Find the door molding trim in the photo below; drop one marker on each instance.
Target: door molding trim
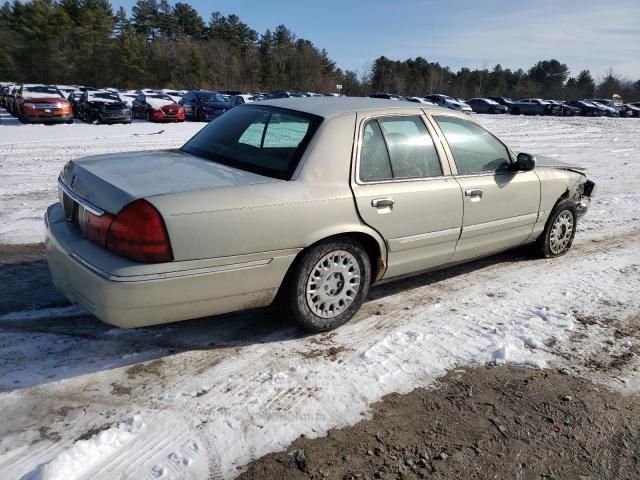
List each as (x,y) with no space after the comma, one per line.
(498,225)
(423,239)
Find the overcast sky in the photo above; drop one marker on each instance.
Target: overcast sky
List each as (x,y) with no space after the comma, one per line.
(584,34)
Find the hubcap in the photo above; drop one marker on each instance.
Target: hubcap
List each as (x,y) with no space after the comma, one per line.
(333,284)
(561,232)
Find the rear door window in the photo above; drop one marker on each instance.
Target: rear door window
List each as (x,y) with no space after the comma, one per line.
(412,152)
(398,148)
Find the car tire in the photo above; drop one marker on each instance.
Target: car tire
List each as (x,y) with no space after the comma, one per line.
(515,111)
(148,116)
(200,116)
(559,232)
(345,286)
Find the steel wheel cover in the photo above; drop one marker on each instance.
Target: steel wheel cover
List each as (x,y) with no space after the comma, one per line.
(561,232)
(333,284)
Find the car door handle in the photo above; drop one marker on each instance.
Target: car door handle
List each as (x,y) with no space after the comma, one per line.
(473,192)
(383,202)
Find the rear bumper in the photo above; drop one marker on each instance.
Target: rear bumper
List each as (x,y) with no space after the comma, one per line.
(174,291)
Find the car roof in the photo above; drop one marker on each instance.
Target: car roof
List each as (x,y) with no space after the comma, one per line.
(329,107)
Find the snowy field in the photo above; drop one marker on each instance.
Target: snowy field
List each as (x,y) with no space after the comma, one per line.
(202,398)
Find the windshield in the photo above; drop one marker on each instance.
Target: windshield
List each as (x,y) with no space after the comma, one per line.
(260,139)
(212,97)
(44,90)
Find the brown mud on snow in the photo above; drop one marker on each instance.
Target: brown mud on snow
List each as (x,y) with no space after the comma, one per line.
(489,422)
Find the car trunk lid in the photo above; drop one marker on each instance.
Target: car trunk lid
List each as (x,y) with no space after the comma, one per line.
(114,180)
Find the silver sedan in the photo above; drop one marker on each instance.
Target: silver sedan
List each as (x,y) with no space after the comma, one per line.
(303,202)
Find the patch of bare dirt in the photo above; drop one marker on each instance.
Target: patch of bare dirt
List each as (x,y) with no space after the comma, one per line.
(150,368)
(21,253)
(93,431)
(332,353)
(489,422)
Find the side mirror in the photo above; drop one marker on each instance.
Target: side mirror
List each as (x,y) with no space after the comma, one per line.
(525,162)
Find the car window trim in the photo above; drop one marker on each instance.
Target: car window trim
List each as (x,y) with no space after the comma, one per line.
(444,164)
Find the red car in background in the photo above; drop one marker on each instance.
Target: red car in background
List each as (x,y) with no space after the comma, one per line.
(157,107)
(42,103)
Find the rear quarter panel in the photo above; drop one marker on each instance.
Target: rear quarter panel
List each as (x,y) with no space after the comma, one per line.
(317,203)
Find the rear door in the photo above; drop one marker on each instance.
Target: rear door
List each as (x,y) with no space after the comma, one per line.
(500,204)
(404,189)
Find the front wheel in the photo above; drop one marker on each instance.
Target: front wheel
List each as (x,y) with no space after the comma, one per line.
(328,284)
(558,235)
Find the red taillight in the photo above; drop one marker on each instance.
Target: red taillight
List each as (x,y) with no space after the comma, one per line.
(138,232)
(96,228)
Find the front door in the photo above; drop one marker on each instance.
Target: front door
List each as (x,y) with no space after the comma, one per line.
(500,204)
(404,189)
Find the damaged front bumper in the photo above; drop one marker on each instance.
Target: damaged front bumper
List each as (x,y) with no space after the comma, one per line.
(589,190)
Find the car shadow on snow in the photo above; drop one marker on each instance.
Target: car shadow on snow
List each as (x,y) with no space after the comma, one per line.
(38,348)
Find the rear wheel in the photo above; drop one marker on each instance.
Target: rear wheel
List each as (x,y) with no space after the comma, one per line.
(200,115)
(148,116)
(328,284)
(558,235)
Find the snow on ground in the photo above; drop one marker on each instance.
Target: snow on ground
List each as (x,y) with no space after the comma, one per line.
(204,397)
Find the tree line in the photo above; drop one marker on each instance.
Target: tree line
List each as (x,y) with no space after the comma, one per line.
(158,45)
(170,45)
(546,79)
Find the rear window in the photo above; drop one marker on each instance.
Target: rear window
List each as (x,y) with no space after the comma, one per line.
(260,139)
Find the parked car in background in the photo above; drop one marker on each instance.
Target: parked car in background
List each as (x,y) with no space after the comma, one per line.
(387,96)
(67,90)
(74,100)
(587,109)
(42,104)
(175,95)
(610,107)
(534,106)
(158,236)
(418,100)
(87,89)
(242,99)
(128,96)
(205,105)
(104,107)
(5,93)
(448,102)
(11,100)
(634,108)
(562,109)
(276,94)
(486,105)
(157,107)
(506,101)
